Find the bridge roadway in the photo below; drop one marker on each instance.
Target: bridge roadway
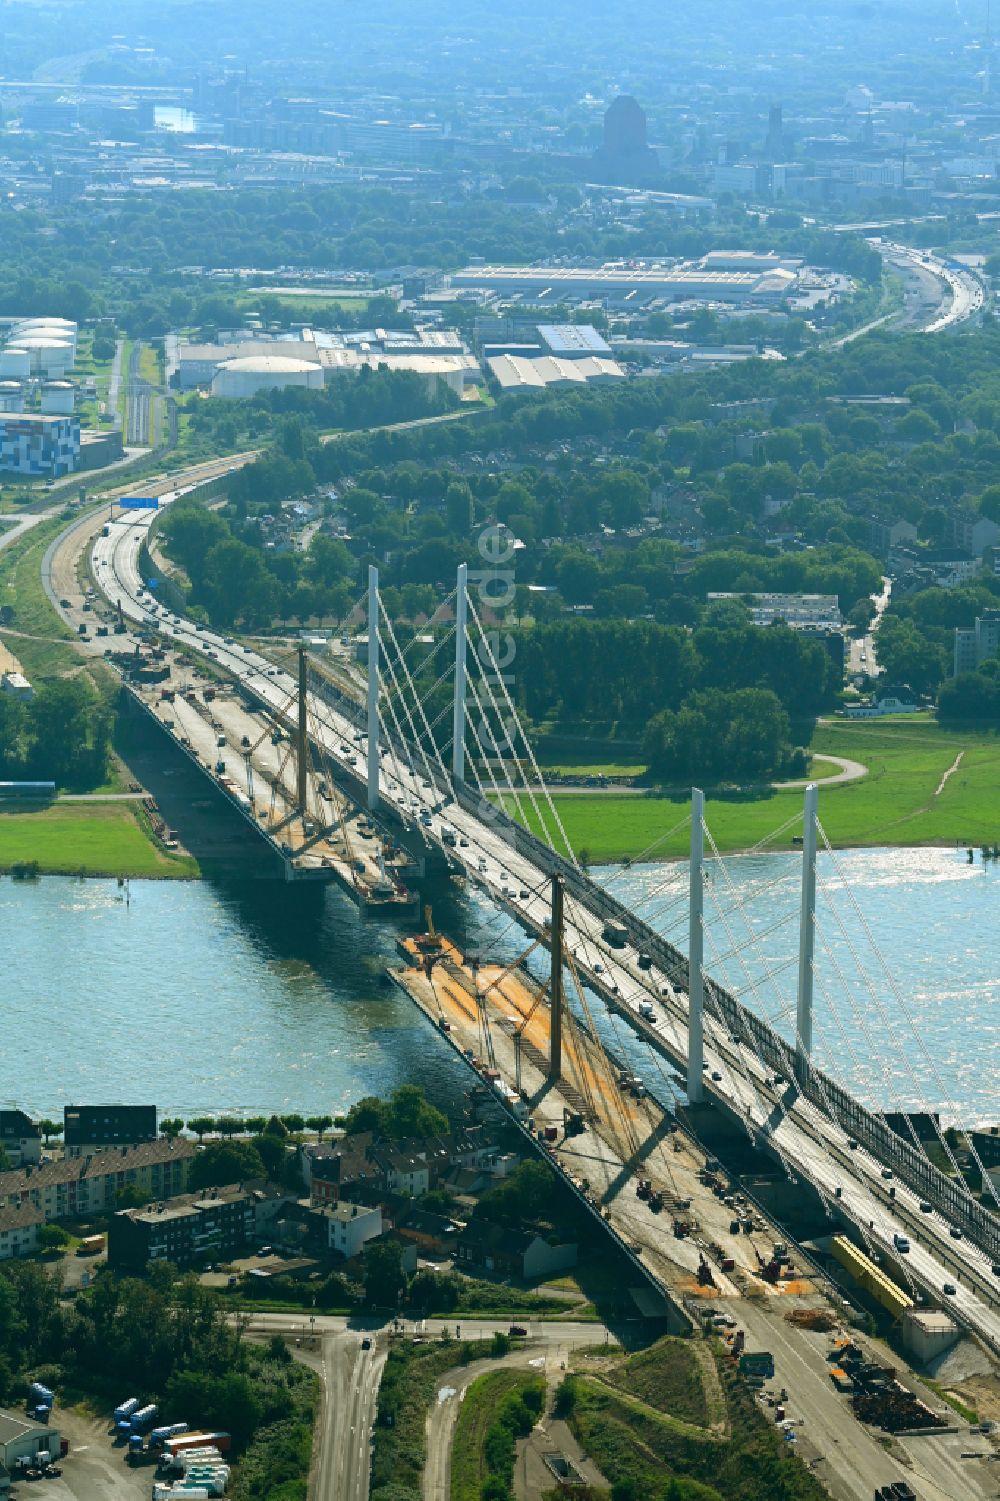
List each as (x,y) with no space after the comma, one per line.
(744,1059)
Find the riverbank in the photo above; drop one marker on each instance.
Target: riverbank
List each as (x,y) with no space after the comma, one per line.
(106,838)
(917,792)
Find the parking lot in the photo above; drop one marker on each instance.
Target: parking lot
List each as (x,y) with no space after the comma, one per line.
(93,1470)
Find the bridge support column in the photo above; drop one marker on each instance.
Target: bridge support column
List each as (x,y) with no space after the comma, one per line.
(696,953)
(373,761)
(302,748)
(807,936)
(556,979)
(458,726)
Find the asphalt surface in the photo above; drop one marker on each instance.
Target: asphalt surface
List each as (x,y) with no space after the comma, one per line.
(809,1143)
(351,1377)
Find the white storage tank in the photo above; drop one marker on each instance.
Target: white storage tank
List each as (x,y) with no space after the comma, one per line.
(49,357)
(11,396)
(58,398)
(65,336)
(252,373)
(15,363)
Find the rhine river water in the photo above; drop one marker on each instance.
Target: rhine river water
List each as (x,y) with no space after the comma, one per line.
(206,997)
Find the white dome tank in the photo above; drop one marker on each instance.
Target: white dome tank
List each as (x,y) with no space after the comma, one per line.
(49,357)
(245,377)
(15,363)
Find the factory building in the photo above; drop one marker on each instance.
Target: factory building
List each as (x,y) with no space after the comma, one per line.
(434,354)
(41,445)
(515,374)
(630,285)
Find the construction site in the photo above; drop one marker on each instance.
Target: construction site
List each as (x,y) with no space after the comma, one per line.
(636,1164)
(271,767)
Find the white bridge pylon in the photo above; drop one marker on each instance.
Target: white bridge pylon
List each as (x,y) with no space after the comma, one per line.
(696,930)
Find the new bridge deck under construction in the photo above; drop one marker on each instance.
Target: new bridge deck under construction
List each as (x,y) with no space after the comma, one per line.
(492,1014)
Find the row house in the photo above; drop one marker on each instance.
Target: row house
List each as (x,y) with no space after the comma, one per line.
(85,1186)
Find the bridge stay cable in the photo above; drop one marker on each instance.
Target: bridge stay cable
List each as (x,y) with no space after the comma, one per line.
(446,783)
(516,791)
(416,740)
(474,614)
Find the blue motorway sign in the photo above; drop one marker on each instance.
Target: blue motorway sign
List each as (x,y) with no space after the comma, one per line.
(139,503)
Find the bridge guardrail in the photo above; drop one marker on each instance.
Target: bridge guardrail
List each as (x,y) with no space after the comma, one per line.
(867,1127)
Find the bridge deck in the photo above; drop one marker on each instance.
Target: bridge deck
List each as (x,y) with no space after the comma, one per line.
(626,1139)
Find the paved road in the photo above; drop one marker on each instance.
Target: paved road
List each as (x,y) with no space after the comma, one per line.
(806,1138)
(850,771)
(351,1377)
(854,1462)
(444,1413)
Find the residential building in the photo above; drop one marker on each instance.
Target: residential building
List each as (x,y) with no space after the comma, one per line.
(972,533)
(80,1187)
(20,1137)
(973,645)
(33,444)
(803,612)
(19,1231)
(515,1253)
(885,535)
(349,1227)
(21,1441)
(94,1128)
(216,1223)
(433,1233)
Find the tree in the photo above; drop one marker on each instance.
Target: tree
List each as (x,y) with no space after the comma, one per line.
(171,1127)
(201,1125)
(52,1237)
(225,1162)
(132,1197)
(319,1124)
(385,1279)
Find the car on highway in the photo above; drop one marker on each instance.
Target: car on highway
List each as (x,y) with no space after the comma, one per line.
(517,1331)
(949,1290)
(366,1343)
(887,1173)
(926,1208)
(64,604)
(955,1233)
(717,1077)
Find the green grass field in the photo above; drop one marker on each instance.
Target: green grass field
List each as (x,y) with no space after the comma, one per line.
(94,839)
(21,589)
(897,803)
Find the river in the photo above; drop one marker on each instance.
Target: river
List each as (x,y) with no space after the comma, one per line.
(210,998)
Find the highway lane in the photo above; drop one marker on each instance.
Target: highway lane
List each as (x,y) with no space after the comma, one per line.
(810,1144)
(963,296)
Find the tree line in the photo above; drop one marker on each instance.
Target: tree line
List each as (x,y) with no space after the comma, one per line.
(62,734)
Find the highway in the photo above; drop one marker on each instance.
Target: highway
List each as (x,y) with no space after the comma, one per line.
(962,297)
(813,1146)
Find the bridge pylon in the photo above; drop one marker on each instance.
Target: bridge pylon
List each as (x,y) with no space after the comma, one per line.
(302,737)
(807,937)
(461,630)
(556,979)
(696,952)
(373,757)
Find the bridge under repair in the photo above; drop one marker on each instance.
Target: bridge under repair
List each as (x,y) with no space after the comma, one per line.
(871,1179)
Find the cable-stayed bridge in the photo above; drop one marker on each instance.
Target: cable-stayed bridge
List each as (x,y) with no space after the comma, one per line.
(430,744)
